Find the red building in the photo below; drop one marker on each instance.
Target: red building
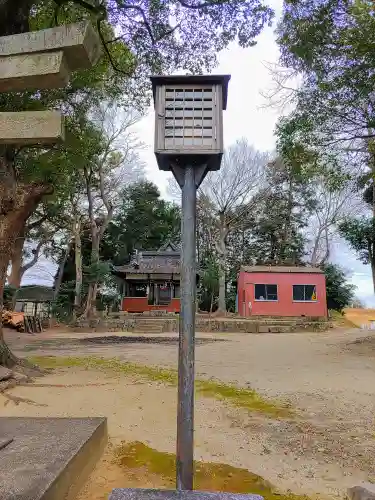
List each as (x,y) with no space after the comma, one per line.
(281,291)
(151,281)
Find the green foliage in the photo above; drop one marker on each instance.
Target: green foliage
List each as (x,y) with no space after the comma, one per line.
(331,44)
(62,166)
(360,234)
(144,221)
(340,293)
(166,36)
(275,235)
(96,272)
(208,285)
(62,308)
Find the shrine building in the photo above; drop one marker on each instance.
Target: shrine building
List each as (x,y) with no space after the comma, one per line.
(151,281)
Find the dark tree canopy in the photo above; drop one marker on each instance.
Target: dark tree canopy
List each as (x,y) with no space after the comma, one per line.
(144,221)
(330,44)
(340,293)
(159,35)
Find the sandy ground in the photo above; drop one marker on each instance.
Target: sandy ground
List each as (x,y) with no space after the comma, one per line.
(327,378)
(360,317)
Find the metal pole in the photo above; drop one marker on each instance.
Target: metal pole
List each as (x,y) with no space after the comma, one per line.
(185,410)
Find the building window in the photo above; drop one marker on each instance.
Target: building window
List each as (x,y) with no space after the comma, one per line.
(265,292)
(304,293)
(137,290)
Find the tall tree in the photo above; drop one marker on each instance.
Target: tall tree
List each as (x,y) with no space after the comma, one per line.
(360,234)
(332,205)
(143,221)
(112,165)
(229,197)
(331,43)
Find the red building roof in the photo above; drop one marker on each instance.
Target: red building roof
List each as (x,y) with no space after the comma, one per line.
(281,269)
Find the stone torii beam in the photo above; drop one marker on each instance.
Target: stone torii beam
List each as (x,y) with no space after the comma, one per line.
(42,60)
(31,127)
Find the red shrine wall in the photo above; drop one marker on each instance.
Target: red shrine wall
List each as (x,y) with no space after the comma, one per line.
(140,304)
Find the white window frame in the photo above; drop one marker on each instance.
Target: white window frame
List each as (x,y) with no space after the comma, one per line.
(304,301)
(267,300)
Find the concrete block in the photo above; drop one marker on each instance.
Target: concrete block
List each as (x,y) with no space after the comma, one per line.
(79,42)
(34,71)
(275,329)
(49,458)
(149,494)
(263,329)
(251,328)
(365,491)
(31,127)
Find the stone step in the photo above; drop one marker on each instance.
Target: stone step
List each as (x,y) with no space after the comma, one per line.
(60,455)
(148,325)
(165,325)
(146,329)
(146,332)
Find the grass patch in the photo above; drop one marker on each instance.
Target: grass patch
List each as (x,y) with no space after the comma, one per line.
(248,399)
(92,362)
(340,319)
(207,476)
(243,398)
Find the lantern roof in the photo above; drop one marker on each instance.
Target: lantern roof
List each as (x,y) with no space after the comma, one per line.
(158,80)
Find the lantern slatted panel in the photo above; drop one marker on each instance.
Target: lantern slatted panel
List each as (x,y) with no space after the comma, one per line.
(189,118)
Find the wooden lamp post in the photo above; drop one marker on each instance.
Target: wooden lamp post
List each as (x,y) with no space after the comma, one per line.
(188,142)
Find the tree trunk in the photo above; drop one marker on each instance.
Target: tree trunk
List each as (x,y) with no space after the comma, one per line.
(78,266)
(315,252)
(287,224)
(6,356)
(222,251)
(90,309)
(212,303)
(15,209)
(372,256)
(18,269)
(222,302)
(15,275)
(373,274)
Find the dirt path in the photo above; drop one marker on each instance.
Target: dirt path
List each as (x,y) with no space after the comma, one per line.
(328,447)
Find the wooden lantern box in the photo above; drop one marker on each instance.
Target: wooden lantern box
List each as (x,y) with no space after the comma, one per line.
(188,119)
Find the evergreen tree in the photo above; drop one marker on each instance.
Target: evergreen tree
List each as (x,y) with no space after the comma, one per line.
(275,235)
(340,293)
(143,222)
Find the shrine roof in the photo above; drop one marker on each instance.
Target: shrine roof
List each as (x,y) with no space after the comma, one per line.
(166,260)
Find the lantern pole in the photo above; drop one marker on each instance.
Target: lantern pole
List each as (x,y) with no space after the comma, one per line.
(185,410)
(188,142)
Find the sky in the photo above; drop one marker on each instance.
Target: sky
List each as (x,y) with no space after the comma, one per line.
(248,115)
